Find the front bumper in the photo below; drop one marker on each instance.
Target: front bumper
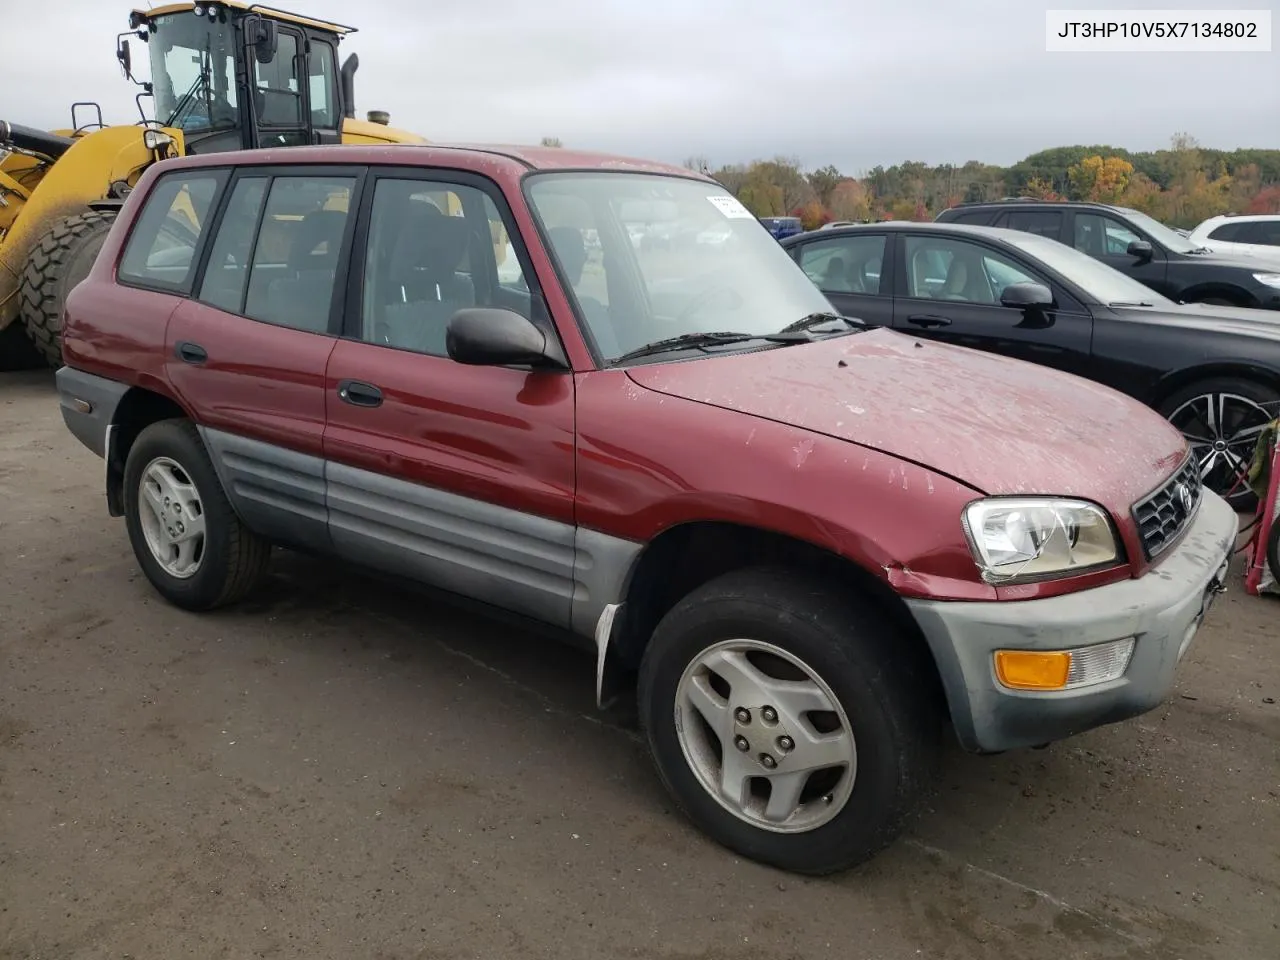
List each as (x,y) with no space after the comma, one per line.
(1162,609)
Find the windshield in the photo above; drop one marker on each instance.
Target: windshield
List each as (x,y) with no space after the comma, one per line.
(1105,284)
(1165,236)
(666,256)
(193,71)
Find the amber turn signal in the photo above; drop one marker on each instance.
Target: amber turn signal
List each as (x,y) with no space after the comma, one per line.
(1032,669)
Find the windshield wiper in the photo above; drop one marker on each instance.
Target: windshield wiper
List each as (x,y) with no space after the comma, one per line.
(684,340)
(814,319)
(1130,303)
(793,333)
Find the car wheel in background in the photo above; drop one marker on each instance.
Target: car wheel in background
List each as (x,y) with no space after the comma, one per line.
(1221,418)
(186,536)
(786,720)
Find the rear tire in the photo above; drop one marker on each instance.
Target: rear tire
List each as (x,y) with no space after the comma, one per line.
(228,562)
(60,259)
(855,660)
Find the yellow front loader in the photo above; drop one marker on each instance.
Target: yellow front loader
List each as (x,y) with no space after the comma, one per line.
(225,75)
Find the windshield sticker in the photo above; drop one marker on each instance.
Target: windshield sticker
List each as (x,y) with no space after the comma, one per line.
(730,207)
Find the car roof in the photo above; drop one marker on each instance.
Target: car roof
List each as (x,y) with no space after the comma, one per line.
(516,159)
(911,226)
(1033,202)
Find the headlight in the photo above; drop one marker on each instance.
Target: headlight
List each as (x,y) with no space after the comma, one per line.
(1270,279)
(1034,538)
(153,139)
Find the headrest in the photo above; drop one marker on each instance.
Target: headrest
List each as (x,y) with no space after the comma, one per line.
(568,243)
(430,239)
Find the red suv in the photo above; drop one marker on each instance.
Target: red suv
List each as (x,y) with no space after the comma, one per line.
(812,543)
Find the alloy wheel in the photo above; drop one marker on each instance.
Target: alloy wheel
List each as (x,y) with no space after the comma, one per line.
(172,517)
(1222,429)
(765,736)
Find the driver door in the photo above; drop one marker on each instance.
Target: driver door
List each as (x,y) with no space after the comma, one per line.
(279,100)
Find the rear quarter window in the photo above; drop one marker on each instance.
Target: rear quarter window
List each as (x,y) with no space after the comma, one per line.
(163,244)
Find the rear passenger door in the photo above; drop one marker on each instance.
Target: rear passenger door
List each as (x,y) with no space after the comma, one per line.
(851,272)
(247,353)
(459,476)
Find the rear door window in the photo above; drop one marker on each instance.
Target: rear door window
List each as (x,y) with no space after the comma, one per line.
(164,242)
(1265,232)
(1228,232)
(296,250)
(971,216)
(1044,223)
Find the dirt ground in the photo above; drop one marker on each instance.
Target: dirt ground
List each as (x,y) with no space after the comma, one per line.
(340,769)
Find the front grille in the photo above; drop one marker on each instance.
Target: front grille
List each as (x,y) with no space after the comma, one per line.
(1163,515)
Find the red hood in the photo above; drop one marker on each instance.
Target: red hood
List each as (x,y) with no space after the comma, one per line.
(999,425)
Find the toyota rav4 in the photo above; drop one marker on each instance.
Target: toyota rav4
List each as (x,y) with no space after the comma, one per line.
(811,544)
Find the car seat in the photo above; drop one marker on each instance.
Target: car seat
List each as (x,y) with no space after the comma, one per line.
(302,300)
(423,284)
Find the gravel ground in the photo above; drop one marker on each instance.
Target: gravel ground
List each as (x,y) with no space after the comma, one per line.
(342,769)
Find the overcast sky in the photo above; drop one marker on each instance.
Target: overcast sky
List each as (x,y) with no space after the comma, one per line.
(848,82)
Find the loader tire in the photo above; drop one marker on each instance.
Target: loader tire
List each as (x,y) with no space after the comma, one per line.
(60,260)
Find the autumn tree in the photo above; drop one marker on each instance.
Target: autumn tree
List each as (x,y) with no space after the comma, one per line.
(903,210)
(1099,180)
(850,201)
(761,195)
(812,215)
(1266,201)
(732,177)
(824,181)
(1040,189)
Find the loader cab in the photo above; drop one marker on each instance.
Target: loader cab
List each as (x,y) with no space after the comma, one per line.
(232,77)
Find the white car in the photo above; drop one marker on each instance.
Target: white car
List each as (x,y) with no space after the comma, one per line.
(1248,234)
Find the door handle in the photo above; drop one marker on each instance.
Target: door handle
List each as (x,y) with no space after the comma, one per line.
(189,352)
(359,394)
(929,320)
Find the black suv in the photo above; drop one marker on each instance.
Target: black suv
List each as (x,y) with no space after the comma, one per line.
(1138,245)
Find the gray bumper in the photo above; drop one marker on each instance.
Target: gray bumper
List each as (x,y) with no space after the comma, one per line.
(89,405)
(1162,610)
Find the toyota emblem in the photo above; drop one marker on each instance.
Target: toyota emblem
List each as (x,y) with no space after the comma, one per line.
(1185,498)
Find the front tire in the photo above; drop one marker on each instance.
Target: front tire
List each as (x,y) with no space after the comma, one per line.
(788,720)
(60,259)
(188,540)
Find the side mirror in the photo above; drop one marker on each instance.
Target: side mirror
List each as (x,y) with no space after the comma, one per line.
(125,58)
(491,336)
(1026,295)
(1140,249)
(261,35)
